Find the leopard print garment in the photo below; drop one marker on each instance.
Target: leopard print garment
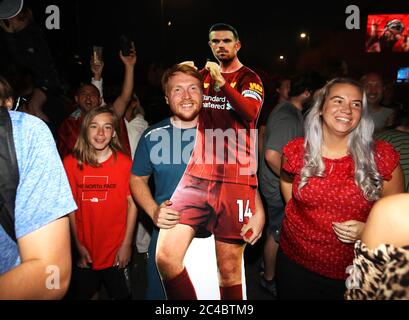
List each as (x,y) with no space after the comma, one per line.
(379,274)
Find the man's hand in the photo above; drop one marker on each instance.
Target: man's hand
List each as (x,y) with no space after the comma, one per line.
(253,230)
(374,27)
(164,217)
(97,68)
(129,61)
(215,73)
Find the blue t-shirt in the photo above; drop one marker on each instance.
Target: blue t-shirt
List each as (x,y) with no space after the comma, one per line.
(43,194)
(164,152)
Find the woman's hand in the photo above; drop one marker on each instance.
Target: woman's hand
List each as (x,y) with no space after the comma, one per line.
(348,231)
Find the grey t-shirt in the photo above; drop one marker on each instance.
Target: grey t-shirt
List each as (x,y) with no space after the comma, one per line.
(284,124)
(380,117)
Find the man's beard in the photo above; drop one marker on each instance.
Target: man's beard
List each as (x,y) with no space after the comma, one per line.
(225,59)
(189,117)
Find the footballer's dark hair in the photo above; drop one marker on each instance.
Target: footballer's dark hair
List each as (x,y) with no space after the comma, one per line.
(224,27)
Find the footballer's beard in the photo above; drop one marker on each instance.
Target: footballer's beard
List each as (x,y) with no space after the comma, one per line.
(225,59)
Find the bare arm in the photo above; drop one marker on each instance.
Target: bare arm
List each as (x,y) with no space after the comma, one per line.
(143,195)
(122,101)
(84,258)
(273,160)
(396,184)
(388,222)
(132,214)
(261,136)
(125,250)
(96,68)
(286,183)
(162,216)
(46,261)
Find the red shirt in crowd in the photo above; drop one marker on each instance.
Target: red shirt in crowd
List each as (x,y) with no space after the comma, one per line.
(307,235)
(101,196)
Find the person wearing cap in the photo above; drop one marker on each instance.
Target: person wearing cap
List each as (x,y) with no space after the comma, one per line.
(391,38)
(27,48)
(10,8)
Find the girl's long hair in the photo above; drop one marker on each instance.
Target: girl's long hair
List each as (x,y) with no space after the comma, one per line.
(360,144)
(83,151)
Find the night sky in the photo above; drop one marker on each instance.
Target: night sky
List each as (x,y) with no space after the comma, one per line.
(267,29)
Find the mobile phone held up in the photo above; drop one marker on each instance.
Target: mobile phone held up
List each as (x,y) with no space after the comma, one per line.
(126,45)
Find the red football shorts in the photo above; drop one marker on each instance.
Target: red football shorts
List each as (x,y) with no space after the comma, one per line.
(221,208)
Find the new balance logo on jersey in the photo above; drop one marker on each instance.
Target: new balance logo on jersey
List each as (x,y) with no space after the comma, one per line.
(256,87)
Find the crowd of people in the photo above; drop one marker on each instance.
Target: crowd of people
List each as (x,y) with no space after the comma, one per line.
(313,183)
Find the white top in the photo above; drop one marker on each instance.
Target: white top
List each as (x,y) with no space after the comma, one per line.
(135,129)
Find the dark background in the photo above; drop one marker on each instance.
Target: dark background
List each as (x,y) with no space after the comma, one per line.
(267,29)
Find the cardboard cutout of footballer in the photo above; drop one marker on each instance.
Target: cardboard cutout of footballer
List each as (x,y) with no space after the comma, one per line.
(217,193)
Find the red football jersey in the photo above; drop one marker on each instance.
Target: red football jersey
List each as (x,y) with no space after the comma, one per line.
(225,147)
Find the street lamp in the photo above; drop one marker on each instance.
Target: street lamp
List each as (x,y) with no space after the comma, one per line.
(306,36)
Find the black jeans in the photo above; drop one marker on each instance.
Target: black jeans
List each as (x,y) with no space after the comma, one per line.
(86,282)
(297,283)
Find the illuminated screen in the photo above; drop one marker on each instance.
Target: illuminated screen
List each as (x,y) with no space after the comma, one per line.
(387,33)
(403,75)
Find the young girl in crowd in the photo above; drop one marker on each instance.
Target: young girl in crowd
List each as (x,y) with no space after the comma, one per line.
(98,171)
